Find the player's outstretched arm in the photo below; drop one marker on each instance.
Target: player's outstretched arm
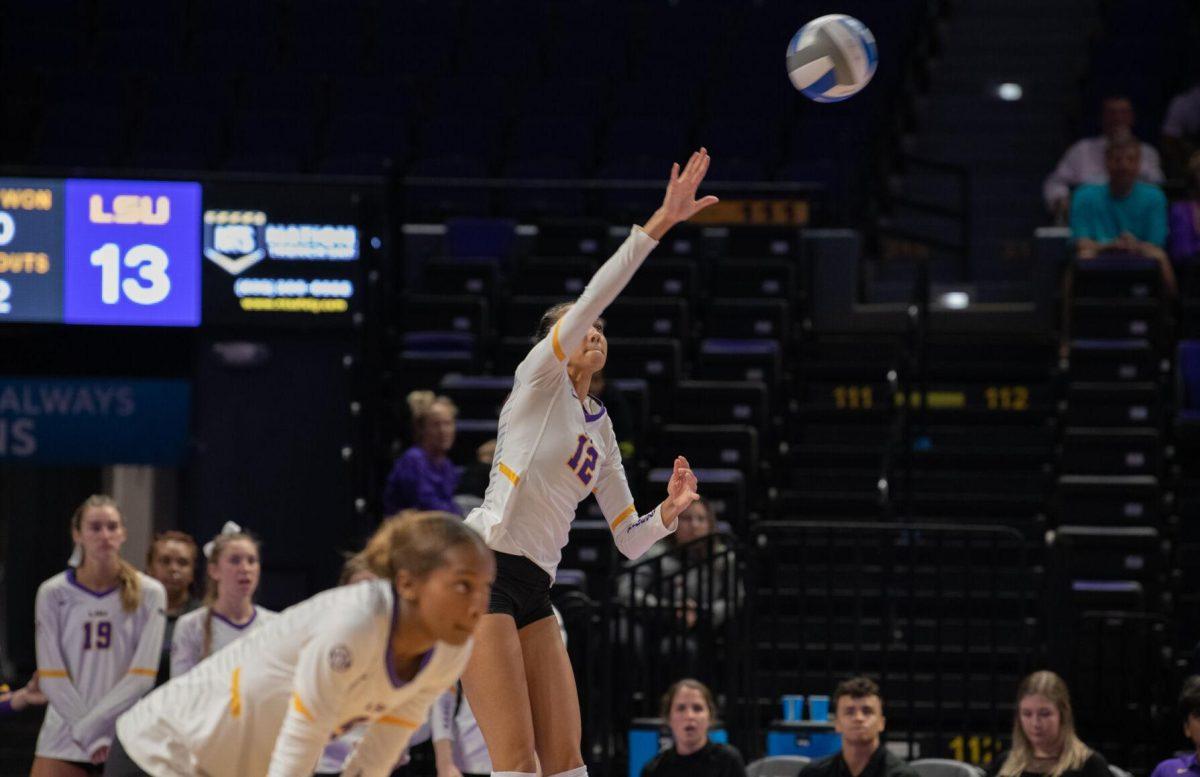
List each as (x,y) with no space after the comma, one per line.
(680,203)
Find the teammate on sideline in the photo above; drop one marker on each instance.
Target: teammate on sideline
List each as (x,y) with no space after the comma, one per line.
(229,612)
(555,445)
(171,560)
(377,652)
(99,634)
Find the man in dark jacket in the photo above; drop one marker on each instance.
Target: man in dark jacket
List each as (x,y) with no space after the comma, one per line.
(858,717)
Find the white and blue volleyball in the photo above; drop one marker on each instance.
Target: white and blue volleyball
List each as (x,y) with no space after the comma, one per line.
(831,58)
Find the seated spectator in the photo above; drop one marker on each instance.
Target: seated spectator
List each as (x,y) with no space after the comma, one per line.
(695,582)
(1124,215)
(689,710)
(1189,712)
(1185,219)
(1180,129)
(12,702)
(858,717)
(1084,160)
(424,478)
(1044,743)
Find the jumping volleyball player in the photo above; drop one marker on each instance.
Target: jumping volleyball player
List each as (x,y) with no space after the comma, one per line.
(555,445)
(377,652)
(99,635)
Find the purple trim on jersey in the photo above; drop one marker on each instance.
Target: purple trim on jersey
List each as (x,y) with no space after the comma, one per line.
(98,594)
(588,417)
(6,707)
(389,660)
(230,623)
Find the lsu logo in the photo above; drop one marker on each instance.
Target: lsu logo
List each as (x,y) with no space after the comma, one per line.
(130,209)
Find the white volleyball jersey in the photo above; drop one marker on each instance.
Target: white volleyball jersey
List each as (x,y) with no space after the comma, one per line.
(451,719)
(551,450)
(94,660)
(187,644)
(269,703)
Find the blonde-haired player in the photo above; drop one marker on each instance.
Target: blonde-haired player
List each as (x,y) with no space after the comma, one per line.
(555,445)
(99,633)
(377,652)
(229,613)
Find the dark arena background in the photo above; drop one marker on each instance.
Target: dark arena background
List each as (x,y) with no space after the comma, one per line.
(944,449)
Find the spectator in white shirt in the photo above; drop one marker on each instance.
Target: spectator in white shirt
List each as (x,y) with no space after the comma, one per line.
(1084,160)
(1180,130)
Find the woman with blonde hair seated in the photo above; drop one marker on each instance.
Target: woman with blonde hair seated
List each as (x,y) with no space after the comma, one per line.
(1044,740)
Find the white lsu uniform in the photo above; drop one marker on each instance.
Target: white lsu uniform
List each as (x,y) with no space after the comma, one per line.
(452,719)
(551,451)
(94,660)
(187,643)
(269,703)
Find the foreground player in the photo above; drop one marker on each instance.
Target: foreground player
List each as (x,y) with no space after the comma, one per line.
(377,652)
(556,445)
(99,635)
(229,612)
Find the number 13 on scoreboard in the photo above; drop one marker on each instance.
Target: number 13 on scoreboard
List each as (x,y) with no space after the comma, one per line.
(132,253)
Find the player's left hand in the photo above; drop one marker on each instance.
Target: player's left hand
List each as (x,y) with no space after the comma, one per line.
(681,491)
(679,201)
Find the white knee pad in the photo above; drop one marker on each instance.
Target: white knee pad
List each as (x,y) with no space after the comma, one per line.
(578,772)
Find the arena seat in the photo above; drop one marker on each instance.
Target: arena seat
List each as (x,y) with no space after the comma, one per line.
(1131,360)
(447,313)
(762,277)
(664,277)
(777,766)
(737,359)
(944,767)
(550,276)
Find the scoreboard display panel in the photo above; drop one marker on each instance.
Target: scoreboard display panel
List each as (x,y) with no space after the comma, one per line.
(178,253)
(132,253)
(31,250)
(280,256)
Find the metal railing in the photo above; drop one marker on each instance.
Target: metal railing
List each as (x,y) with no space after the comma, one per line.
(672,615)
(940,615)
(1118,668)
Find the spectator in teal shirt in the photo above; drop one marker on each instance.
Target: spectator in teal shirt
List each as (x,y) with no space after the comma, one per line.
(1124,215)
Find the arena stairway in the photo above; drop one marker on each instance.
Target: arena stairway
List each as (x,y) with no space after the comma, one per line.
(1007,147)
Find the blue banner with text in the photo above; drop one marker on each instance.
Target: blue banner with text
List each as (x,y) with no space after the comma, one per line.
(93,421)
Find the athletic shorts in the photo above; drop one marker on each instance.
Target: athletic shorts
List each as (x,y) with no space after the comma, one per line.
(522,590)
(87,766)
(119,763)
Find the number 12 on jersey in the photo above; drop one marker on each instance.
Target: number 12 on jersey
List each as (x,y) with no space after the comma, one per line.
(587,469)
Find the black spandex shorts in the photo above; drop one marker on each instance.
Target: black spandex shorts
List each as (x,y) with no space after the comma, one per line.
(119,763)
(522,590)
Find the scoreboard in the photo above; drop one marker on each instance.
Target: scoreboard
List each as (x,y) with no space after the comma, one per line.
(176,253)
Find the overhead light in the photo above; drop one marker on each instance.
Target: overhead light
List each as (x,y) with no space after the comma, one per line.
(955,300)
(1009,92)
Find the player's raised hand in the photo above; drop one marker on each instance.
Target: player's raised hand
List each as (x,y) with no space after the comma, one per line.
(680,203)
(681,491)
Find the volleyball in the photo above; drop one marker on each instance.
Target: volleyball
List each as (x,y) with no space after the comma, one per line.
(831,58)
